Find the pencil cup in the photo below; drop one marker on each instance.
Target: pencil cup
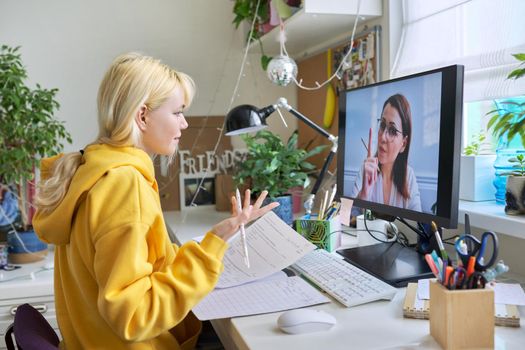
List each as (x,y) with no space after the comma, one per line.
(462,319)
(325,234)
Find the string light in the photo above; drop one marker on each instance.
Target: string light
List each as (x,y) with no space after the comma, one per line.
(342,65)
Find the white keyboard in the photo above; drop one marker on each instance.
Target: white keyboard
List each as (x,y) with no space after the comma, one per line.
(346,283)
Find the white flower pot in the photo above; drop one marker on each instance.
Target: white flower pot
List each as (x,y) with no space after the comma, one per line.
(476,177)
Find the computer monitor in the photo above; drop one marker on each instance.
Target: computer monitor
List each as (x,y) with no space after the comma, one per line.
(399,153)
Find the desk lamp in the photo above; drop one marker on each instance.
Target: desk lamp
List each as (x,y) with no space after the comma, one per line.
(247,118)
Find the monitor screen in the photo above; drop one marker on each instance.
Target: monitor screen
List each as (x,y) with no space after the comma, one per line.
(399,146)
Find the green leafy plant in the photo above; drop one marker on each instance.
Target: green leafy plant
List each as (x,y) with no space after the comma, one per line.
(519,166)
(246,10)
(472,149)
(511,120)
(518,72)
(274,166)
(28,130)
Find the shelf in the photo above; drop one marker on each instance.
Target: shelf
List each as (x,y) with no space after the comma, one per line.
(491,216)
(309,32)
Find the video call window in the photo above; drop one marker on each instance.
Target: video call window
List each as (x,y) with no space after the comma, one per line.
(392,143)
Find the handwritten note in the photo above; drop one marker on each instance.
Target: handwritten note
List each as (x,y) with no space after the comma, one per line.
(272,245)
(258,297)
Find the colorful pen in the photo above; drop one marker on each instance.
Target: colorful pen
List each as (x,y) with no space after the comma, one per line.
(440,268)
(470,266)
(243,232)
(444,271)
(448,271)
(442,250)
(432,265)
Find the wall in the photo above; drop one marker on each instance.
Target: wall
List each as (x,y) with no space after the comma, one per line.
(70,44)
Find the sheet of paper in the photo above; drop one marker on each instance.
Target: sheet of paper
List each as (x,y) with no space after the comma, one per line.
(258,298)
(423,289)
(345,210)
(419,304)
(272,246)
(509,293)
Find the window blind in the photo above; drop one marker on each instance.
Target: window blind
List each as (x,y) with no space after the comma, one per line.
(479,34)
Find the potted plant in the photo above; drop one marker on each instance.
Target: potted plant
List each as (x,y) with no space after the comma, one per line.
(515,191)
(28,132)
(275,167)
(476,175)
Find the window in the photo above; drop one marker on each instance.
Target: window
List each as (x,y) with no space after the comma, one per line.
(479,34)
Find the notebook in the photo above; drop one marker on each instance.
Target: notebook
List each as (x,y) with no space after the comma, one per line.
(413,307)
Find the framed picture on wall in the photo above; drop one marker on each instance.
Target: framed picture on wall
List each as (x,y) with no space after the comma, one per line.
(189,183)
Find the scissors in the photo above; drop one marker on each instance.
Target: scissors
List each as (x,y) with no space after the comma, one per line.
(459,279)
(477,248)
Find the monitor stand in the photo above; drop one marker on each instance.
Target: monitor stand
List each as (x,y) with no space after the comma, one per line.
(391,262)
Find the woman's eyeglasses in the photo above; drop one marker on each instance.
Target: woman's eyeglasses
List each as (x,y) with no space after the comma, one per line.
(391,131)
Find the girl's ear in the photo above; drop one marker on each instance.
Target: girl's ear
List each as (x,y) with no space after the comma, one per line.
(140,117)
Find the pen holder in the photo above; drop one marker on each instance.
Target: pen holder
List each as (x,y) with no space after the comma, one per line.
(462,319)
(325,234)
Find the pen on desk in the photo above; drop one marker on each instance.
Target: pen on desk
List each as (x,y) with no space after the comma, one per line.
(243,232)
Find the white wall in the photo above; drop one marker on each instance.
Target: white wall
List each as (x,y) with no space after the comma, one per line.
(68,44)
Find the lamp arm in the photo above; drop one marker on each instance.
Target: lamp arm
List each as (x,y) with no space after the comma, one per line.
(282,102)
(308,204)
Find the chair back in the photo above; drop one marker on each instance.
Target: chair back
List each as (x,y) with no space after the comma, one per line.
(31,331)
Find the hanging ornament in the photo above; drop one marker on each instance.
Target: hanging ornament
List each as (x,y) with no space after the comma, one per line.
(282,70)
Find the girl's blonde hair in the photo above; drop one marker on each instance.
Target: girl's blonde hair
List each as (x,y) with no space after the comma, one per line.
(132,81)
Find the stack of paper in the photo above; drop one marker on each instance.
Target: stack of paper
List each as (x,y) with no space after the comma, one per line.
(242,291)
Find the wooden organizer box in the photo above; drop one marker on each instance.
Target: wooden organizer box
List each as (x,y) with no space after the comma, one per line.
(462,319)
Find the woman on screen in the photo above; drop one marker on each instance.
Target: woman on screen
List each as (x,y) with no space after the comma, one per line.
(386,177)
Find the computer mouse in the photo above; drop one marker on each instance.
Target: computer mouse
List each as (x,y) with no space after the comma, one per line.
(299,321)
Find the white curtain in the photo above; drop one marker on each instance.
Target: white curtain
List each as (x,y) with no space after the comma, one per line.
(479,34)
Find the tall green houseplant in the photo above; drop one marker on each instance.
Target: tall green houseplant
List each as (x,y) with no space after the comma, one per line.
(28,129)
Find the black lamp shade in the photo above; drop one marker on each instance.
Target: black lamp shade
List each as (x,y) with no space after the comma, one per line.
(243,119)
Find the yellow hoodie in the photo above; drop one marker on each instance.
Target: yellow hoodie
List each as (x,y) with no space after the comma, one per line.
(119,282)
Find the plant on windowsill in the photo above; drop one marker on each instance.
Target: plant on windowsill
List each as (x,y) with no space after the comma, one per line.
(476,174)
(275,167)
(28,132)
(515,191)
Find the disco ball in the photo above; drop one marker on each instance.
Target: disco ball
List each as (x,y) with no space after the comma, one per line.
(282,70)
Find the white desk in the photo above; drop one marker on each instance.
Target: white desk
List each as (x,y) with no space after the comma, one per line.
(377,325)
